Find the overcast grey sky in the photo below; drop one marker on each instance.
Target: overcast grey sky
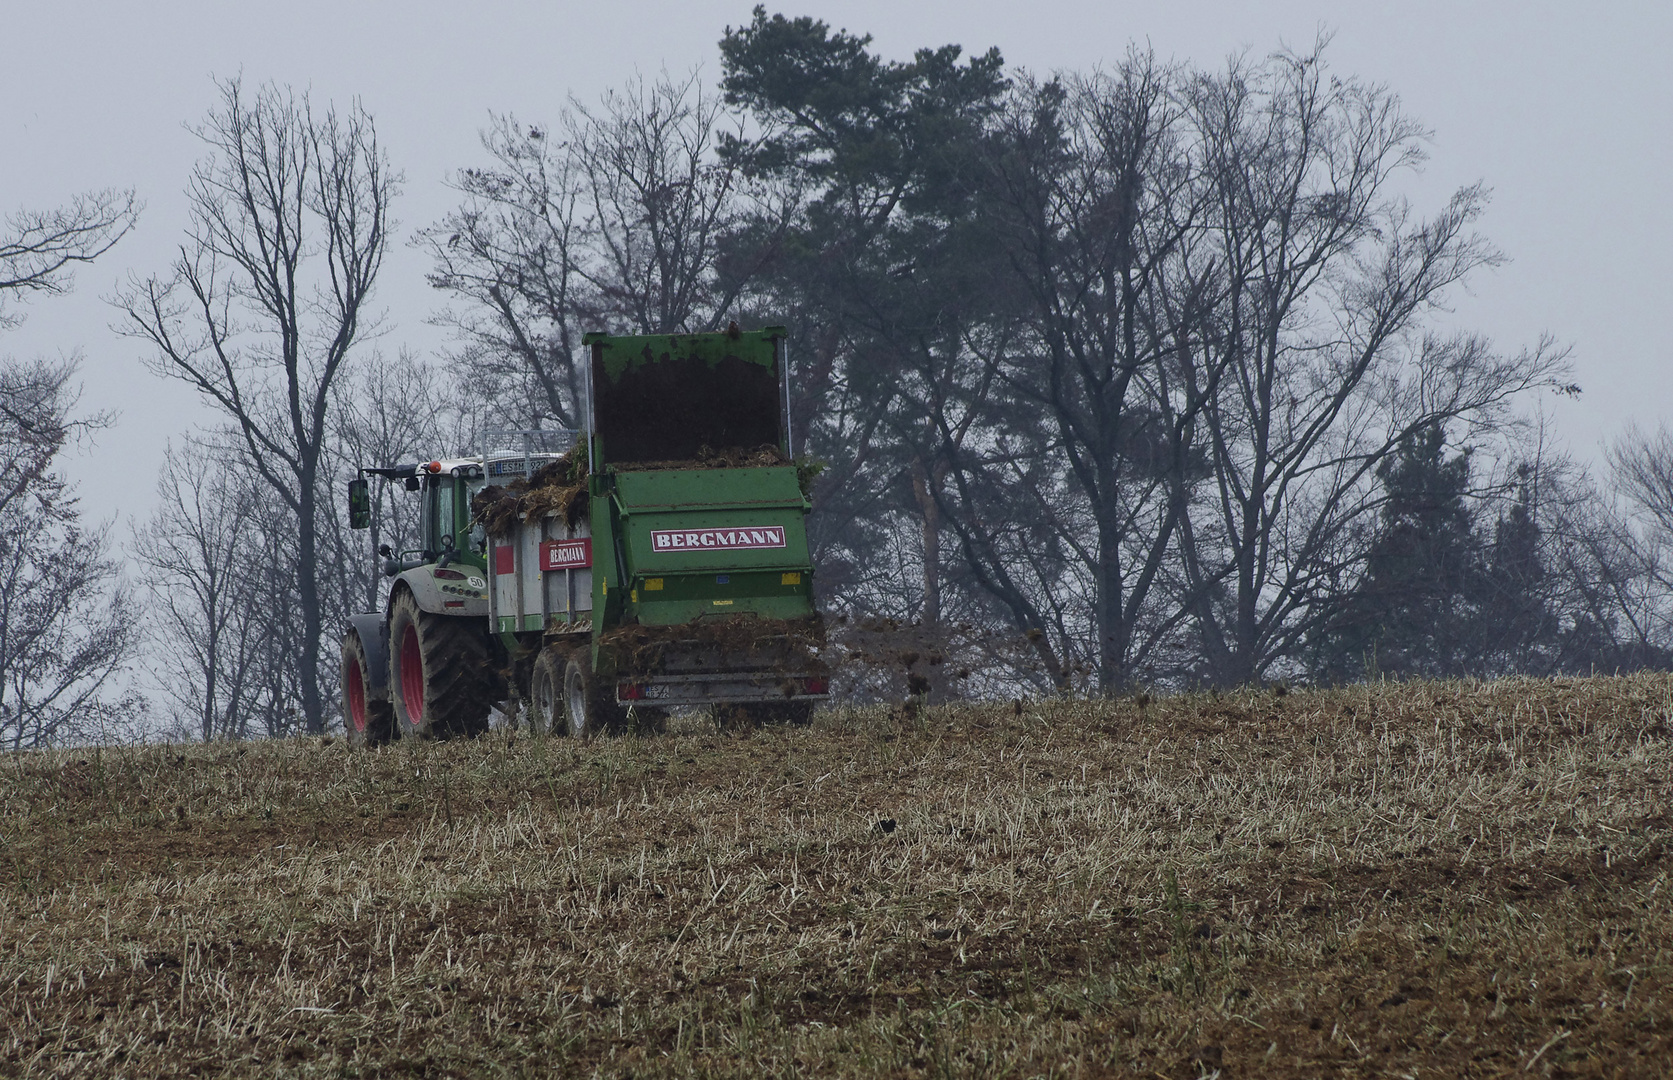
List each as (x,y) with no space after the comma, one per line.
(1561,108)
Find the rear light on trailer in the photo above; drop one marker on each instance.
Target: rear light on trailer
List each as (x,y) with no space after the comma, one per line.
(816,686)
(630,692)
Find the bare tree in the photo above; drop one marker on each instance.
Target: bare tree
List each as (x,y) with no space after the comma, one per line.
(391,411)
(509,254)
(1642,463)
(66,621)
(1629,544)
(40,248)
(267,570)
(268,299)
(203,558)
(37,255)
(614,219)
(36,422)
(659,201)
(1093,193)
(1328,278)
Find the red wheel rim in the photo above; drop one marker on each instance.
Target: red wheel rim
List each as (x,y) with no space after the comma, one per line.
(412,676)
(357,698)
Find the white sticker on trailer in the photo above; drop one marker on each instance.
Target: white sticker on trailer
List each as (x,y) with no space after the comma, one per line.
(566,554)
(753,536)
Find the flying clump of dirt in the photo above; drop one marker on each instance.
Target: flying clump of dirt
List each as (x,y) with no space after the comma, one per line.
(880,659)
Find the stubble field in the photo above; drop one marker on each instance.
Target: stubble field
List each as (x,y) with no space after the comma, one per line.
(1420,879)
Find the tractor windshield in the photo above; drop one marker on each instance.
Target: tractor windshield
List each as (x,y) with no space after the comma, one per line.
(446,512)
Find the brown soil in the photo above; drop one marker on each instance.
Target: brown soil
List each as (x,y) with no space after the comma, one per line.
(1402,880)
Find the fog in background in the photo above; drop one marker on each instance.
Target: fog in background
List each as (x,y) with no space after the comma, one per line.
(1560,108)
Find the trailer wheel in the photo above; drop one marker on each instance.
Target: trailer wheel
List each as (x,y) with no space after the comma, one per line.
(588,711)
(440,675)
(546,695)
(365,722)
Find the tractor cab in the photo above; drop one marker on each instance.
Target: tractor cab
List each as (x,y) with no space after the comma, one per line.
(445,511)
(444,524)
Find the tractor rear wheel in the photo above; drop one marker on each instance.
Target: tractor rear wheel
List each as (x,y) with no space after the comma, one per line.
(365,722)
(440,675)
(590,709)
(546,694)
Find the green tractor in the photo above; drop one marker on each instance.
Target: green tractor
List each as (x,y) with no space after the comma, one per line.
(659,561)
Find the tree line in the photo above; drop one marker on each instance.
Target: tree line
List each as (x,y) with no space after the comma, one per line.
(1122,378)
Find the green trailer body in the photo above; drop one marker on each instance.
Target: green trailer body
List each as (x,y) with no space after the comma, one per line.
(699,543)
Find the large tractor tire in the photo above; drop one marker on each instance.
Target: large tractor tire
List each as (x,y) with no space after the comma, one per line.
(440,675)
(365,722)
(546,694)
(590,709)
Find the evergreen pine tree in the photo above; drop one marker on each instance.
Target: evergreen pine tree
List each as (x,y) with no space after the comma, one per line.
(1516,621)
(1413,612)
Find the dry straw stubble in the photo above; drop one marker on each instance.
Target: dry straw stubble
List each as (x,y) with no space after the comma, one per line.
(1463,878)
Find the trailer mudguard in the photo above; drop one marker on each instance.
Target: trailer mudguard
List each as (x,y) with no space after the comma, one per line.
(374,638)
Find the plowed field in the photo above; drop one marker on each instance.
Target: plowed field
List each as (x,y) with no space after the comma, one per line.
(1423,879)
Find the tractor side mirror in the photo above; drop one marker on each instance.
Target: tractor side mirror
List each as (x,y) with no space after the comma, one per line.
(360,503)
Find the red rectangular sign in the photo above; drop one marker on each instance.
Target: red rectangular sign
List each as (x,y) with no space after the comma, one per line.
(566,554)
(753,536)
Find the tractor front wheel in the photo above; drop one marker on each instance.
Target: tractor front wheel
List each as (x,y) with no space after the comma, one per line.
(365,722)
(440,675)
